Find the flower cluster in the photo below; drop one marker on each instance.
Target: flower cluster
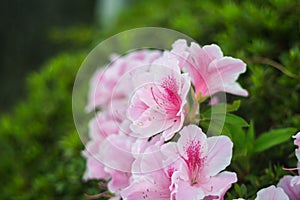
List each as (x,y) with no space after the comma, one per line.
(142,141)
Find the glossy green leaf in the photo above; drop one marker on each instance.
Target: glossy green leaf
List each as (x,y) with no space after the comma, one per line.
(272,138)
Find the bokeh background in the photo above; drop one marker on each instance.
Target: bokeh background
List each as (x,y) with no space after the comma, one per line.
(44,43)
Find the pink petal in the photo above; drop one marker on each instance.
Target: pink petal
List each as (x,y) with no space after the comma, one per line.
(165,65)
(154,186)
(115,152)
(297,139)
(271,193)
(189,134)
(137,108)
(155,157)
(219,184)
(229,67)
(295,182)
(297,142)
(177,124)
(236,89)
(119,180)
(179,51)
(293,191)
(201,58)
(219,155)
(94,168)
(209,70)
(213,51)
(223,74)
(186,191)
(150,122)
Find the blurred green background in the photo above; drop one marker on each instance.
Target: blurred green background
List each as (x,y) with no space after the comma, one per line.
(44,43)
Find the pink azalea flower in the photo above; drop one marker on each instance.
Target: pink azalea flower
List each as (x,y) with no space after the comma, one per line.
(211,72)
(193,174)
(118,152)
(290,188)
(153,186)
(150,178)
(158,102)
(94,168)
(99,128)
(271,193)
(291,184)
(103,84)
(203,159)
(115,153)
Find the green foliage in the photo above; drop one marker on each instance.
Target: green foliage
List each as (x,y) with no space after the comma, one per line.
(40,149)
(272,138)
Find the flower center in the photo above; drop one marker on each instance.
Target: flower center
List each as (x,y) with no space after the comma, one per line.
(171,88)
(166,95)
(194,160)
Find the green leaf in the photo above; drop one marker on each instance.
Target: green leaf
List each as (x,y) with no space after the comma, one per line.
(215,128)
(221,123)
(235,120)
(272,138)
(223,108)
(238,189)
(251,132)
(234,106)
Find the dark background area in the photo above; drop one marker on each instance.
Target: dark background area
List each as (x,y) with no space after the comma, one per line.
(26,38)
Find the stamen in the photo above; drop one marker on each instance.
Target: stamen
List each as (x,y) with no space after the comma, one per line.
(194,160)
(291,169)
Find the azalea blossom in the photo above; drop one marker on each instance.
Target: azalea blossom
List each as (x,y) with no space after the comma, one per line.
(152,173)
(108,141)
(154,186)
(291,184)
(158,103)
(195,172)
(211,72)
(103,88)
(117,146)
(150,180)
(271,193)
(99,128)
(203,159)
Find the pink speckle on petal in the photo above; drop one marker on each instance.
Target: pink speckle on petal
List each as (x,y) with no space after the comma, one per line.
(194,160)
(171,88)
(170,171)
(163,98)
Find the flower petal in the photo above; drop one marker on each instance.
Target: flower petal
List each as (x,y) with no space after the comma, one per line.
(154,186)
(219,184)
(271,193)
(219,155)
(186,191)
(293,191)
(189,134)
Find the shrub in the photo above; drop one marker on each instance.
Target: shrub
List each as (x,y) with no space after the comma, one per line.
(40,149)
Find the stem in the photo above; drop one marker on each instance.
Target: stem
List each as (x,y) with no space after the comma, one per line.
(274,64)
